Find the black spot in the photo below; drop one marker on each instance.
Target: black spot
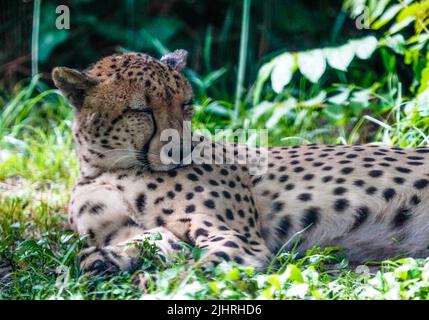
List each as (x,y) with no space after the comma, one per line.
(402,215)
(308,176)
(200,232)
(213,182)
(421,184)
(375,173)
(415,158)
(339,191)
(327,178)
(415,200)
(189,196)
(344,161)
(238,260)
(222,255)
(277,206)
(283,227)
(347,170)
(209,204)
(298,169)
(167,211)
(199,171)
(207,223)
(390,159)
(305,197)
(340,180)
(141,202)
(214,194)
(311,217)
(224,172)
(351,156)
(229,214)
(283,178)
(178,187)
(371,190)
(171,194)
(403,170)
(230,244)
(96,208)
(360,217)
(160,222)
(190,208)
(192,177)
(399,180)
(152,186)
(172,173)
(289,186)
(240,213)
(207,167)
(341,205)
(219,217)
(359,183)
(415,163)
(422,150)
(251,222)
(198,189)
(226,194)
(389,193)
(367,159)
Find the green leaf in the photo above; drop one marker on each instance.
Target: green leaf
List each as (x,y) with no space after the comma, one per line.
(341,57)
(341,97)
(274,280)
(233,275)
(283,70)
(396,27)
(387,16)
(263,75)
(424,82)
(312,64)
(293,273)
(364,47)
(396,43)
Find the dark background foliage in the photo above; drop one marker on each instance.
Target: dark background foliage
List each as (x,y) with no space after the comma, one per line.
(209,30)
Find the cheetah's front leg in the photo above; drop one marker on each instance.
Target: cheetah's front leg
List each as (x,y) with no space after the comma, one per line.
(113,235)
(223,243)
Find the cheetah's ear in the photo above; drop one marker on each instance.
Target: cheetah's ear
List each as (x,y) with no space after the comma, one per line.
(176,59)
(73,84)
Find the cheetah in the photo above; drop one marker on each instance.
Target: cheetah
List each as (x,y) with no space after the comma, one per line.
(371,200)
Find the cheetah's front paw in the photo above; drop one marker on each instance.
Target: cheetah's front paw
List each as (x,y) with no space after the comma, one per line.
(106,260)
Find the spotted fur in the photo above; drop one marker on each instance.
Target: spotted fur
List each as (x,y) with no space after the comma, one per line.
(372,200)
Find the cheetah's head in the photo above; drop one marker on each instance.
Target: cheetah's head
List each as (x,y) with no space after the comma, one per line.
(123,102)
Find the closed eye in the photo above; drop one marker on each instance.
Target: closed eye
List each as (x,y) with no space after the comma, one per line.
(140,109)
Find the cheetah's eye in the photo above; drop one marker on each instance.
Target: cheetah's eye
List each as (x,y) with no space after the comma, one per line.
(139,108)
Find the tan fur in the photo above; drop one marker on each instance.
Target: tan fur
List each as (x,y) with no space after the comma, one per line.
(372,200)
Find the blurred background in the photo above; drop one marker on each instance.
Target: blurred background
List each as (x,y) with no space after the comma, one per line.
(209,30)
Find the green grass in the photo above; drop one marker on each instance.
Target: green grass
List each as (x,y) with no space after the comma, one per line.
(38,251)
